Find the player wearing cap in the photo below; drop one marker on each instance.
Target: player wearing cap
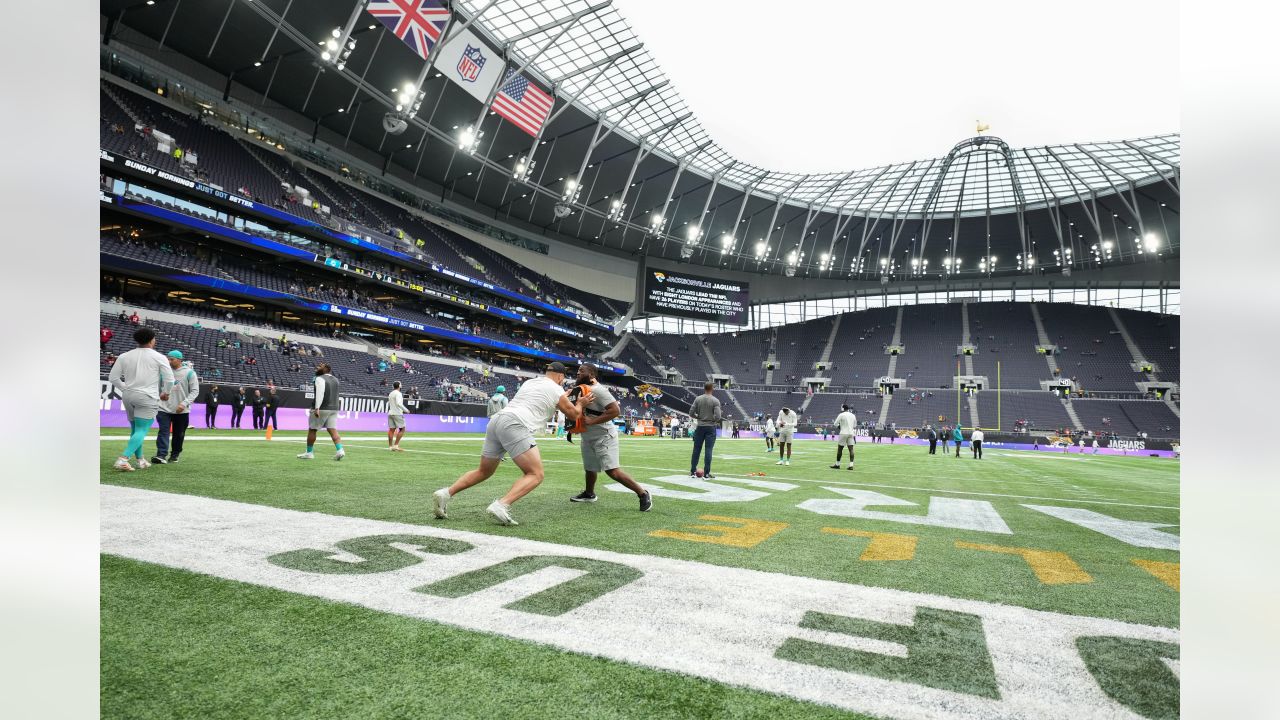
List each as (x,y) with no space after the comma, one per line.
(174,413)
(510,432)
(395,417)
(497,402)
(600,438)
(143,378)
(846,424)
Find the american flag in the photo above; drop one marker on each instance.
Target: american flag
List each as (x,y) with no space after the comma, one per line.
(523,103)
(418,23)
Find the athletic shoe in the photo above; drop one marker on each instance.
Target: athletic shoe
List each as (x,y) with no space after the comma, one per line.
(583,496)
(441,498)
(143,464)
(157,460)
(781,462)
(836,466)
(173,460)
(709,476)
(306,456)
(850,467)
(340,454)
(122,464)
(501,513)
(646,501)
(693,474)
(788,461)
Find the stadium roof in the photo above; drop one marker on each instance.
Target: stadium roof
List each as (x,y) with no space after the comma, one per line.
(621,131)
(633,92)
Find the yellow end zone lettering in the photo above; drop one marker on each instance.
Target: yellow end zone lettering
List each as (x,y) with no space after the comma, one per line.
(748,534)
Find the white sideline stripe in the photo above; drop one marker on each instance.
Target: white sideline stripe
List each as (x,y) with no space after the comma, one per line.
(719,623)
(355,442)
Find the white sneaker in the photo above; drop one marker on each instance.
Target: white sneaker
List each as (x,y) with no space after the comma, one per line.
(781,462)
(143,464)
(306,456)
(340,454)
(501,513)
(441,498)
(788,461)
(123,465)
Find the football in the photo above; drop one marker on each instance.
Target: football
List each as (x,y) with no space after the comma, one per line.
(698,473)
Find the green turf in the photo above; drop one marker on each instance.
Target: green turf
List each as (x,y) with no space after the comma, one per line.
(374,483)
(177,644)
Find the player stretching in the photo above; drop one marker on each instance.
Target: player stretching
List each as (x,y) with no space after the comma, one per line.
(324,414)
(769,430)
(511,431)
(143,378)
(846,425)
(600,439)
(786,428)
(395,417)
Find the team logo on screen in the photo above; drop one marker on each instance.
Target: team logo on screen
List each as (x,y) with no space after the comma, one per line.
(660,277)
(471,64)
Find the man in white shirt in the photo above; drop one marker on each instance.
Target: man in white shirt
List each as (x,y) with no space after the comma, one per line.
(975,441)
(675,427)
(786,425)
(143,378)
(846,426)
(769,431)
(395,417)
(510,432)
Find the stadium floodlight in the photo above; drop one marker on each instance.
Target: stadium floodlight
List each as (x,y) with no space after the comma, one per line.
(692,235)
(338,47)
(761,249)
(656,224)
(523,169)
(616,209)
(1106,245)
(469,139)
(571,191)
(726,243)
(1152,242)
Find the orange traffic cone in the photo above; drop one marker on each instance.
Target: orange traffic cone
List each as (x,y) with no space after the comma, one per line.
(268,432)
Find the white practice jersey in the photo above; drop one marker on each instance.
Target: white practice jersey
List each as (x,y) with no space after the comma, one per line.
(395,403)
(787,421)
(534,403)
(846,422)
(142,370)
(768,426)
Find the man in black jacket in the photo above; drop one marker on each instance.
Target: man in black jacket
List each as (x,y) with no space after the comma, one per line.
(273,404)
(259,403)
(211,401)
(237,407)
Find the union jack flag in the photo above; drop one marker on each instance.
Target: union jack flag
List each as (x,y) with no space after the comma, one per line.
(419,23)
(523,103)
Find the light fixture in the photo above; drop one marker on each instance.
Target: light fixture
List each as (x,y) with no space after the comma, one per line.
(469,139)
(656,223)
(523,169)
(1152,242)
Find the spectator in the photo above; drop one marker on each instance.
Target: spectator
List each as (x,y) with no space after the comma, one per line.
(134,319)
(104,337)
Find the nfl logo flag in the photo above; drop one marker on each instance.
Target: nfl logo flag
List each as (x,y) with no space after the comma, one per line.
(418,23)
(523,103)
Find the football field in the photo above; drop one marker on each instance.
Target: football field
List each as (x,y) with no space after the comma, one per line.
(244,582)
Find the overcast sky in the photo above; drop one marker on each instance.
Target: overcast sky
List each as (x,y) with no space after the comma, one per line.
(823,85)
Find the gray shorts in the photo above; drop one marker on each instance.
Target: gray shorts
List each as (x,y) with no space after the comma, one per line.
(395,421)
(139,405)
(785,436)
(506,435)
(327,420)
(844,440)
(600,451)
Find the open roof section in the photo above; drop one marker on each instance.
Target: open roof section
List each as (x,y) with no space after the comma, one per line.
(601,41)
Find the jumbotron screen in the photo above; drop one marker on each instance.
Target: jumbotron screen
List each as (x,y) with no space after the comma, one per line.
(694,297)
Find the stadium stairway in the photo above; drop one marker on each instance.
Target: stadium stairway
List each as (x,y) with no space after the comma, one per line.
(974,420)
(884,409)
(772,356)
(1043,339)
(1134,350)
(1071,413)
(824,358)
(964,340)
